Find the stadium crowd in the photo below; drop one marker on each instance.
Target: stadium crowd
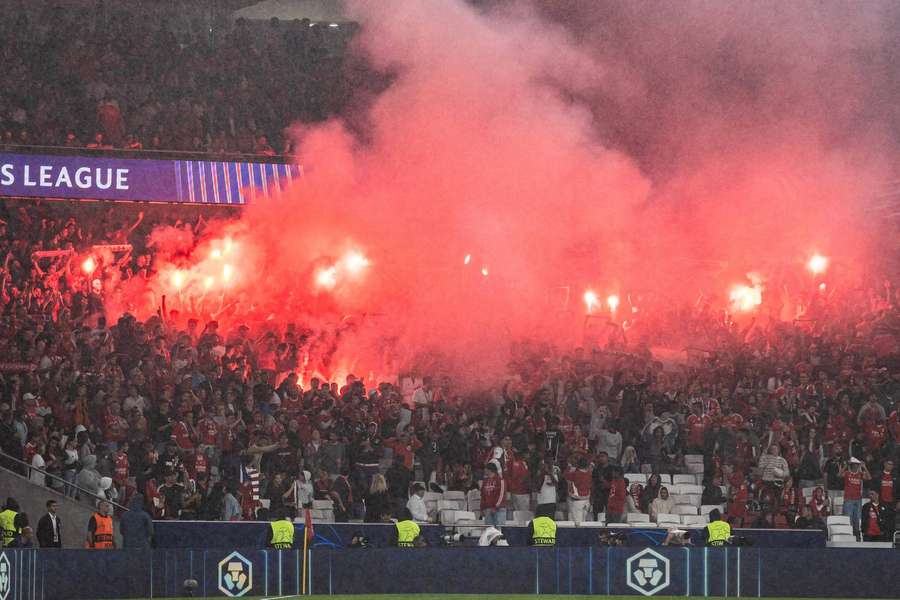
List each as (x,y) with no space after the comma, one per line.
(794,420)
(99,79)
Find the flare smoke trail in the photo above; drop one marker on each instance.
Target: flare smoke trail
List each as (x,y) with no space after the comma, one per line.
(522,149)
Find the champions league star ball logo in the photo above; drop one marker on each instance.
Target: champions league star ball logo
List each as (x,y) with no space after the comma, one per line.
(647,572)
(5,576)
(235,575)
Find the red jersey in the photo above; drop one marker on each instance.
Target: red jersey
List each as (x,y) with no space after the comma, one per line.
(696,426)
(407,451)
(181,435)
(617,494)
(875,436)
(886,493)
(791,499)
(739,498)
(493,492)
(115,427)
(853,483)
(579,483)
(200,464)
(120,467)
(517,477)
(893,425)
(29,451)
(208,430)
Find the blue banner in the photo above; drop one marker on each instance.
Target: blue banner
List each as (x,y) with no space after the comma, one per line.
(109,178)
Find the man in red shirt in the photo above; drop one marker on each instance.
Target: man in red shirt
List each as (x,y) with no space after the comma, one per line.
(115,426)
(518,481)
(404,447)
(120,465)
(854,475)
(182,434)
(493,497)
(874,523)
(615,505)
(579,485)
(887,487)
(697,423)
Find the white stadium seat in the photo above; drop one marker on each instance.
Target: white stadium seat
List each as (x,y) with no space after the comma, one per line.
(691,489)
(448,517)
(637,518)
(843,537)
(323,504)
(433,497)
(667,518)
(565,523)
(695,468)
(695,520)
(693,458)
(454,496)
(837,520)
(618,525)
(681,478)
(684,509)
(665,479)
(839,528)
(592,524)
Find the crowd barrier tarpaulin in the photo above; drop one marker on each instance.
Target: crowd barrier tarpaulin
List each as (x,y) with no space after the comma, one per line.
(253,572)
(137,179)
(217,534)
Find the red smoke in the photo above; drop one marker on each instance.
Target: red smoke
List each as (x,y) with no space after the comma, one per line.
(515,162)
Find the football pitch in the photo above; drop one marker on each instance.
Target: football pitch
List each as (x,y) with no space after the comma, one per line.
(473,597)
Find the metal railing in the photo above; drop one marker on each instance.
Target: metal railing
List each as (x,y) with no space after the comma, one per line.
(148,153)
(85,493)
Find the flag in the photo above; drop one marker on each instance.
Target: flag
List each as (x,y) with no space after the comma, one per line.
(308,526)
(250,476)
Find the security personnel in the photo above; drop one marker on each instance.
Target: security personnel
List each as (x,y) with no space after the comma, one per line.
(100,529)
(407,530)
(281,536)
(718,531)
(543,531)
(10,522)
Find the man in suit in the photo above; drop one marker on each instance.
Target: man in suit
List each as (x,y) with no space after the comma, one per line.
(49,529)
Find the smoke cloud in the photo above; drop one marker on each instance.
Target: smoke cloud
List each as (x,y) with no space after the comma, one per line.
(524,153)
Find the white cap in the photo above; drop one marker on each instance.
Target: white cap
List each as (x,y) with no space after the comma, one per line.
(855,461)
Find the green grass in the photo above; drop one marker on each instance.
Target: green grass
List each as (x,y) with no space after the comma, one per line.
(471,597)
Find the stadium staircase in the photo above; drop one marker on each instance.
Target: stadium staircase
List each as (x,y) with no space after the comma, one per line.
(74,513)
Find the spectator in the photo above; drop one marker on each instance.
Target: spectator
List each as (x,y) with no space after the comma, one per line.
(662,504)
(88,479)
(136,526)
(493,497)
(579,479)
(549,482)
(874,523)
(416,504)
(854,476)
(378,500)
(615,505)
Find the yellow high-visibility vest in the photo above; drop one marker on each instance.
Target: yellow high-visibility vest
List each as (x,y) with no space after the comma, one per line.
(282,535)
(544,531)
(407,532)
(8,531)
(719,532)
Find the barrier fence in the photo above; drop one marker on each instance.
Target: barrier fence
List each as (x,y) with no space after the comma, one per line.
(211,534)
(738,572)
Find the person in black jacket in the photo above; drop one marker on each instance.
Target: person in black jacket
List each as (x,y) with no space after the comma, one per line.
(49,528)
(136,526)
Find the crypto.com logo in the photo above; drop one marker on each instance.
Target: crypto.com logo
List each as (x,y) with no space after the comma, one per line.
(647,572)
(235,575)
(5,576)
